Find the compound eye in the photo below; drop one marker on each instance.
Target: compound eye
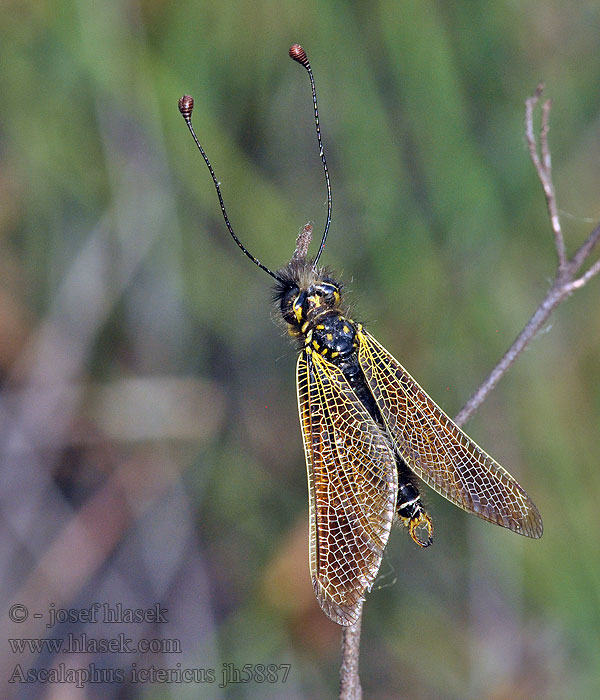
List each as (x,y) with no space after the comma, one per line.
(330,291)
(287,304)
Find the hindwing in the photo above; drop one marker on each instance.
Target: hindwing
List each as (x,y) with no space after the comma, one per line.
(438,451)
(352,487)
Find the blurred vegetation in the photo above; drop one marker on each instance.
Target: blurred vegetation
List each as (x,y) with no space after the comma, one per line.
(150,441)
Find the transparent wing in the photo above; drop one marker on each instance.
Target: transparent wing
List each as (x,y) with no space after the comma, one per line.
(352,485)
(438,451)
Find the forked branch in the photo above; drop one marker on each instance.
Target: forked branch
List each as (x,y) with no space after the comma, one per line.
(568,278)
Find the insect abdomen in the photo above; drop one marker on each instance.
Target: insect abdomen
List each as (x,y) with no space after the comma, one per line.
(409,507)
(334,337)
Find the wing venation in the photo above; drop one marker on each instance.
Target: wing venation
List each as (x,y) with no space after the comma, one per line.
(352,484)
(438,451)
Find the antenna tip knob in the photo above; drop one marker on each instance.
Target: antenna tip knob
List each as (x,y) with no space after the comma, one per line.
(186,106)
(299,54)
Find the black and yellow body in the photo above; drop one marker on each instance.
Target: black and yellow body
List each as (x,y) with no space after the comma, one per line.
(315,316)
(369,430)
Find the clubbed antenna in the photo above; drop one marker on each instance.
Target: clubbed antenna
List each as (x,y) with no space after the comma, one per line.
(299,55)
(186,106)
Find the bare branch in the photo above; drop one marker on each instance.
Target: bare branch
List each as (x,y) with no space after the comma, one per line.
(546,160)
(530,104)
(586,277)
(585,249)
(565,283)
(543,166)
(350,688)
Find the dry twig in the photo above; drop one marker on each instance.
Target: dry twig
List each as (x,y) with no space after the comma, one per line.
(568,278)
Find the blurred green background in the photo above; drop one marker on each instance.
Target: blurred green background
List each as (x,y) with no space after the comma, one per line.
(150,444)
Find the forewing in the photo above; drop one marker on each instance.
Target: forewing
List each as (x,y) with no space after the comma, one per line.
(438,451)
(352,485)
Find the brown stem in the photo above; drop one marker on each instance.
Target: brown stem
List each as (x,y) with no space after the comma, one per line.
(350,688)
(585,249)
(565,282)
(543,167)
